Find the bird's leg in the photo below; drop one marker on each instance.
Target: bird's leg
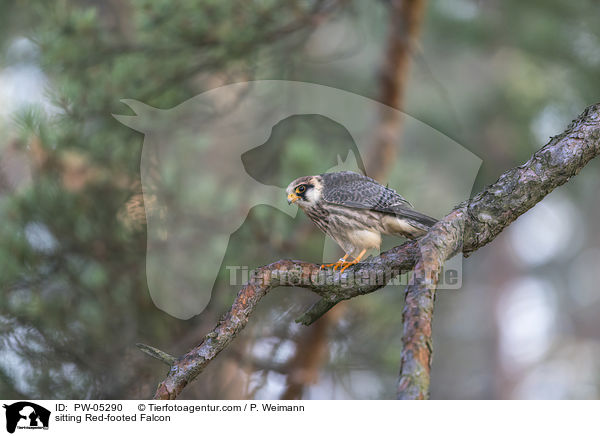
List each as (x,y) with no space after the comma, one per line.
(355,261)
(337,264)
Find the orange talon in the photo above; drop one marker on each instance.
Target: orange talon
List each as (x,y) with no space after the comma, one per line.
(354,262)
(337,264)
(347,265)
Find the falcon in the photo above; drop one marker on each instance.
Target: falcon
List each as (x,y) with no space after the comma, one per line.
(355,210)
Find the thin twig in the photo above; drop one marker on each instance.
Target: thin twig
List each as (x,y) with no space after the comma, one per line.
(165,358)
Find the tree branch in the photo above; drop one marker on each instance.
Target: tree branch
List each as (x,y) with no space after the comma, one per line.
(468,227)
(165,358)
(477,222)
(329,285)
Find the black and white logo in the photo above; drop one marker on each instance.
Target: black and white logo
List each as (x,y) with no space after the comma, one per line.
(26,415)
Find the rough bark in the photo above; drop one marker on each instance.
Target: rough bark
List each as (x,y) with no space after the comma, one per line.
(332,287)
(477,222)
(471,225)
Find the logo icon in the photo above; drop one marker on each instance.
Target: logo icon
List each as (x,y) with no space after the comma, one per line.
(26,415)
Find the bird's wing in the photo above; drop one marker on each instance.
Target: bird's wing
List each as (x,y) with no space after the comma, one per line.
(357,191)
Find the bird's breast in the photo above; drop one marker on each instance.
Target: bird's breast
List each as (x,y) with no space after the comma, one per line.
(319,215)
(353,229)
(364,239)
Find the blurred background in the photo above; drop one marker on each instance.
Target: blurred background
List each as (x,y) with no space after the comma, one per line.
(498,77)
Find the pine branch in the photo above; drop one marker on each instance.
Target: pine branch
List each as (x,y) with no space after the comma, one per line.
(470,226)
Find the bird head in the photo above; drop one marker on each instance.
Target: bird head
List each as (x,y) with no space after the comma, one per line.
(305,191)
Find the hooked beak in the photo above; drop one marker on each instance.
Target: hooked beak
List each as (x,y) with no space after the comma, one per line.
(292,198)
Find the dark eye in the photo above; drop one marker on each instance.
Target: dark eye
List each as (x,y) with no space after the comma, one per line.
(300,189)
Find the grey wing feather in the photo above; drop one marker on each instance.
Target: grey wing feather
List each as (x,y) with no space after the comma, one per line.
(355,190)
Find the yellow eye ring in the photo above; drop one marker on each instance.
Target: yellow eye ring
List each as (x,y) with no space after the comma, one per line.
(300,189)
